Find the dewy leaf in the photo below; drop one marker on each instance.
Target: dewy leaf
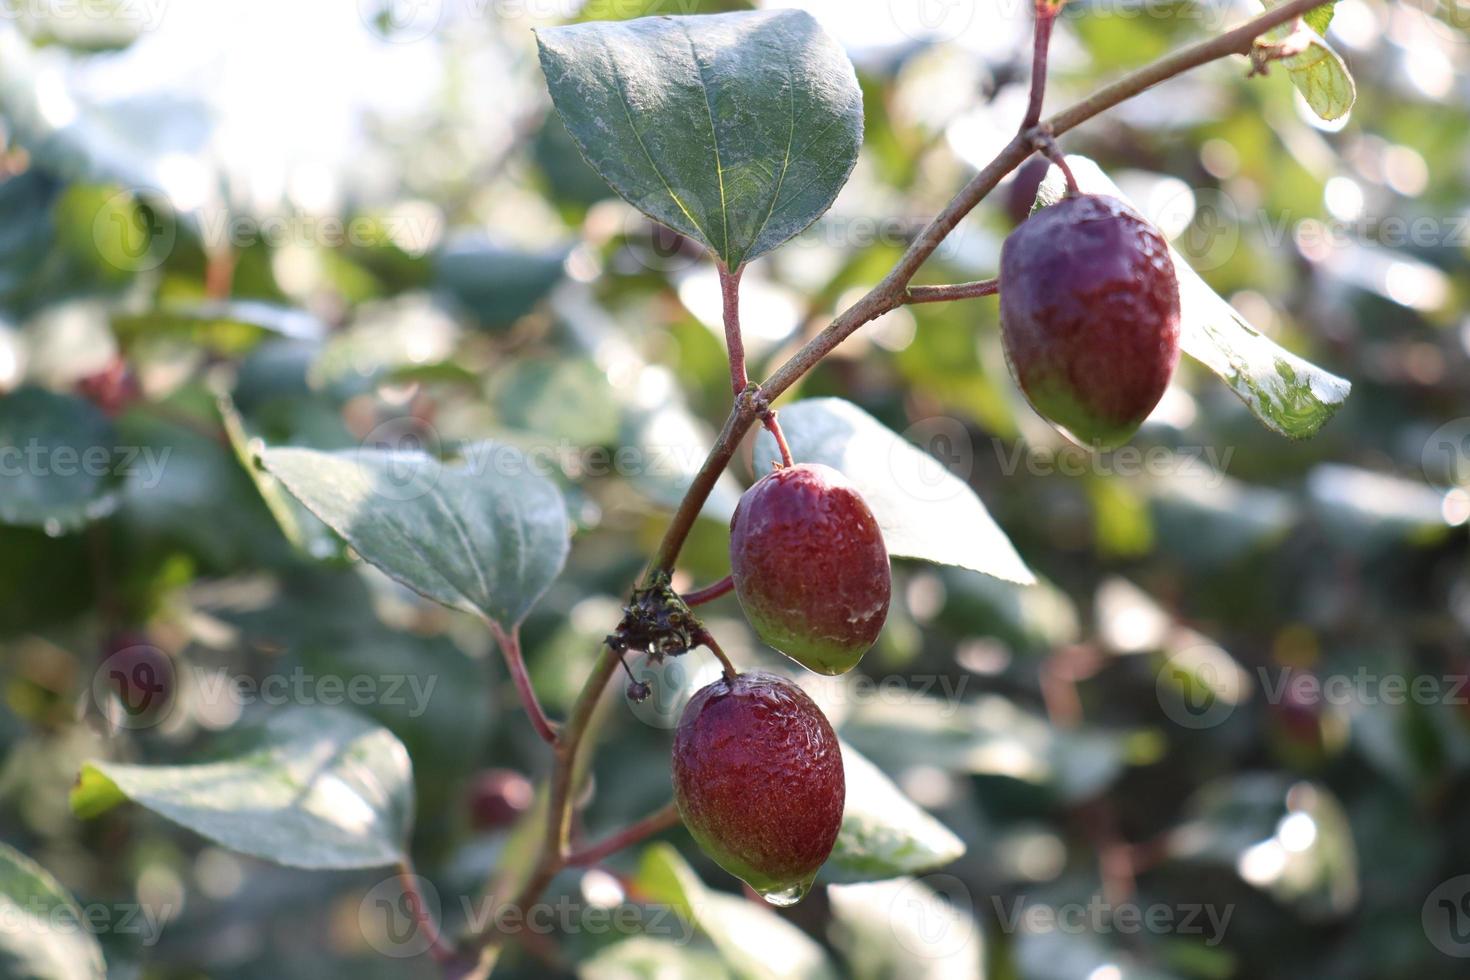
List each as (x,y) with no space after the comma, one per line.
(310,788)
(755,942)
(486,534)
(1289,394)
(1318,72)
(925,511)
(59,463)
(884,834)
(42,932)
(737,130)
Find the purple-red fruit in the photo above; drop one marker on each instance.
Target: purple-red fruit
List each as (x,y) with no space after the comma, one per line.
(758,780)
(810,566)
(1089,313)
(498,797)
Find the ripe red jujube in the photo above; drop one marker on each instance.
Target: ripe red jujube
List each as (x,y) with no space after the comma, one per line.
(759,783)
(810,566)
(1089,313)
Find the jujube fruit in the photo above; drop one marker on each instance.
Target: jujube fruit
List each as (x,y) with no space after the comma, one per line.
(810,566)
(758,781)
(1089,313)
(1021,192)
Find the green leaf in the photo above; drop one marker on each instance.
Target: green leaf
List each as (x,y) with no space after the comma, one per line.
(228,328)
(310,788)
(737,130)
(496,285)
(646,958)
(1289,394)
(754,941)
(59,463)
(903,928)
(485,535)
(42,932)
(1320,18)
(1319,73)
(884,834)
(300,526)
(925,511)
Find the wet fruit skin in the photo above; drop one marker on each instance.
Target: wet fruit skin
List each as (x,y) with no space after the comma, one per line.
(759,783)
(1089,312)
(810,566)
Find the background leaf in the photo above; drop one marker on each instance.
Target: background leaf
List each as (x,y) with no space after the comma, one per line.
(485,535)
(59,467)
(884,834)
(42,932)
(310,787)
(925,511)
(737,130)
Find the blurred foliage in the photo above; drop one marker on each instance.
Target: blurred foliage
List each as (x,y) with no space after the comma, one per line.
(295,227)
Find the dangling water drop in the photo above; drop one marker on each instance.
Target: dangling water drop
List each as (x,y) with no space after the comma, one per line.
(786,897)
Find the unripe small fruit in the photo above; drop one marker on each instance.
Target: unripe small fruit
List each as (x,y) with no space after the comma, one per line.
(1089,313)
(758,780)
(810,566)
(498,797)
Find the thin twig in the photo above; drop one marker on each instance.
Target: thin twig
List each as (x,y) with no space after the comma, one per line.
(734,342)
(660,820)
(708,641)
(774,428)
(438,947)
(944,294)
(1046,17)
(510,648)
(709,593)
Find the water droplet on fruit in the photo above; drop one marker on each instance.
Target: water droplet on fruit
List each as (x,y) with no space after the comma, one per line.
(785,897)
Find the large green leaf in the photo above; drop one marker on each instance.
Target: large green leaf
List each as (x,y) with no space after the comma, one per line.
(884,834)
(1289,394)
(754,941)
(311,787)
(42,932)
(59,462)
(485,535)
(925,511)
(737,130)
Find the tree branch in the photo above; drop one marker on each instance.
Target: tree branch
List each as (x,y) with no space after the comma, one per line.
(944,294)
(660,820)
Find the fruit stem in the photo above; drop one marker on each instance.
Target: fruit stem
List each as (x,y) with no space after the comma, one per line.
(734,343)
(943,294)
(709,593)
(660,820)
(510,648)
(708,640)
(1046,16)
(438,947)
(774,428)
